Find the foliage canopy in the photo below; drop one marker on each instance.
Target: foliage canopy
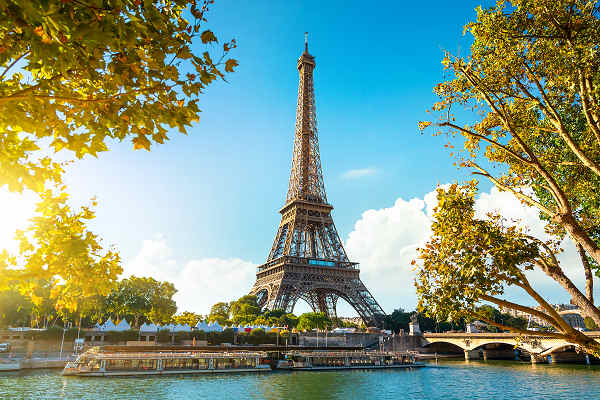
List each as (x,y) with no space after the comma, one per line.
(76,76)
(531,82)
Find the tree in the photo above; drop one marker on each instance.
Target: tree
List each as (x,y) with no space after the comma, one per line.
(219,313)
(15,309)
(142,300)
(74,77)
(290,320)
(468,261)
(492,313)
(278,318)
(187,317)
(161,300)
(398,319)
(313,320)
(244,310)
(531,81)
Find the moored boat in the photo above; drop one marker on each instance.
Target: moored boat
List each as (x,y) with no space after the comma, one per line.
(99,362)
(328,360)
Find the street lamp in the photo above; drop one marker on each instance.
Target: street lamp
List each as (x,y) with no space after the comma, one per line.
(65,327)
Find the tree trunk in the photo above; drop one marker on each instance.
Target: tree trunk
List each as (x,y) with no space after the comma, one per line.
(589,277)
(579,299)
(571,225)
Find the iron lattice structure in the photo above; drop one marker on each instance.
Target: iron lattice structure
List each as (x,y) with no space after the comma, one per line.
(307,260)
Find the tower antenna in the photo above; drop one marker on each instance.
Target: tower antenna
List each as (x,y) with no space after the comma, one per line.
(306,41)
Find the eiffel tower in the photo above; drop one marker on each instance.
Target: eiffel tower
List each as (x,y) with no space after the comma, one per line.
(307,260)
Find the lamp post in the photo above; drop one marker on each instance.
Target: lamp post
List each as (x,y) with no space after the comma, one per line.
(65,327)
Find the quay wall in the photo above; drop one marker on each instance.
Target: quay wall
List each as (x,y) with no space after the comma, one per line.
(42,364)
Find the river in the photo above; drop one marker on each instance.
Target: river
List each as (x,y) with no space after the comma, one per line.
(492,380)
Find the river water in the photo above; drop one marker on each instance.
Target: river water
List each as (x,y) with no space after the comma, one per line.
(492,380)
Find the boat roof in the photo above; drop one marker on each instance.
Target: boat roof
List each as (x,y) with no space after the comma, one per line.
(352,354)
(153,355)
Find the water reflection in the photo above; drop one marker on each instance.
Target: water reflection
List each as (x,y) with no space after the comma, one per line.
(447,380)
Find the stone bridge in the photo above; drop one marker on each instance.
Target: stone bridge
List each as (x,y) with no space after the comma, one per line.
(538,347)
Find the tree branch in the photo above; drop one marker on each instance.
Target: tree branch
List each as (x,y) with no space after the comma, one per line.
(23,95)
(561,129)
(12,64)
(486,139)
(518,330)
(583,92)
(557,274)
(517,194)
(556,190)
(561,324)
(589,277)
(515,306)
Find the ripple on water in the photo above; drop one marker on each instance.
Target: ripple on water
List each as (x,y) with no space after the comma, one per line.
(447,381)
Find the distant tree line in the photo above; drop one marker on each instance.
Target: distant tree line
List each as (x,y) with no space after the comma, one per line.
(137,300)
(246,311)
(146,300)
(399,320)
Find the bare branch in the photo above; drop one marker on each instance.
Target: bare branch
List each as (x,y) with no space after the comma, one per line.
(519,307)
(12,64)
(560,322)
(517,194)
(521,331)
(486,139)
(589,277)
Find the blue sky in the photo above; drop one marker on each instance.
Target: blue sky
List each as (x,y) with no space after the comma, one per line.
(216,192)
(201,210)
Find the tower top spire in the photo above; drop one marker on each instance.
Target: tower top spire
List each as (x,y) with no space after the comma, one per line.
(306,177)
(306,42)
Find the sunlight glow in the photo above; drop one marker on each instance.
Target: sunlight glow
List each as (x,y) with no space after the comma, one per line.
(15,211)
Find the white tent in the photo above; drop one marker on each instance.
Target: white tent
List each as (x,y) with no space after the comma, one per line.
(202,326)
(182,328)
(344,330)
(108,326)
(148,328)
(123,326)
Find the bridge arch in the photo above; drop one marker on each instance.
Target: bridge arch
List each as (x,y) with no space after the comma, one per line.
(558,348)
(453,342)
(506,343)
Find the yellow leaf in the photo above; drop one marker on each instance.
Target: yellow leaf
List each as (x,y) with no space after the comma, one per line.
(141,142)
(230,64)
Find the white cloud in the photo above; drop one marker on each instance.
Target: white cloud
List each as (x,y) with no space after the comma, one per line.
(359,173)
(200,282)
(384,241)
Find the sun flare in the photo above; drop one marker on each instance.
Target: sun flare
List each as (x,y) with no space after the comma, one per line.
(15,211)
